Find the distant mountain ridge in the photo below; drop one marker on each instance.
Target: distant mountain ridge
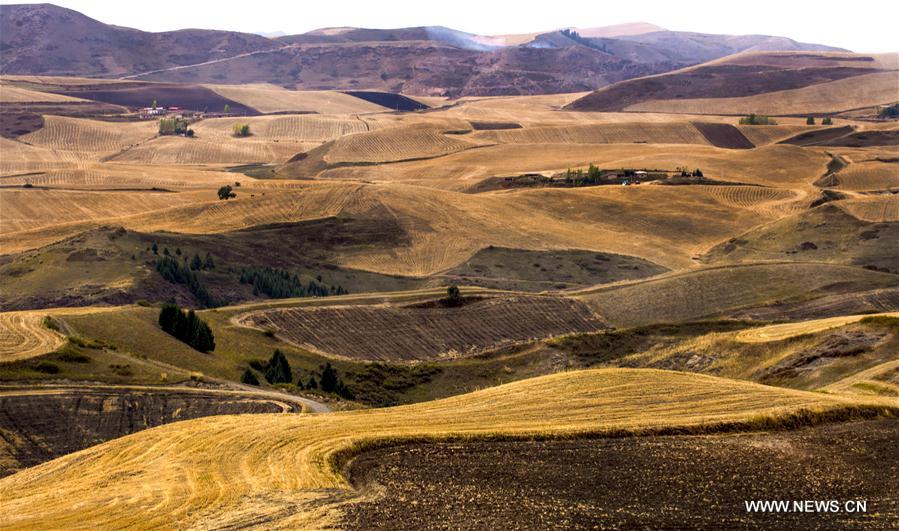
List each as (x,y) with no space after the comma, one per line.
(44,39)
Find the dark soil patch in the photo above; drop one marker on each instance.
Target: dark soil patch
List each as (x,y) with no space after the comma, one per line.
(493,126)
(819,136)
(138,95)
(647,483)
(397,102)
(865,139)
(723,135)
(16,124)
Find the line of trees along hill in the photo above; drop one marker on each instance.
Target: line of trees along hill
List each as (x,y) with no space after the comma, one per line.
(281,284)
(186,327)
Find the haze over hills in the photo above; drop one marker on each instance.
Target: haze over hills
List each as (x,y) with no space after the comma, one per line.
(431,60)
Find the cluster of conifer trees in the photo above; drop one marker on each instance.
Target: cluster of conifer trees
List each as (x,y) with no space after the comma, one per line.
(177,272)
(280,284)
(186,327)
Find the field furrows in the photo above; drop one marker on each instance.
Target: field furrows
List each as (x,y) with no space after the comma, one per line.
(89,136)
(880,208)
(614,133)
(416,333)
(23,335)
(23,211)
(178,150)
(309,128)
(869,175)
(395,143)
(107,177)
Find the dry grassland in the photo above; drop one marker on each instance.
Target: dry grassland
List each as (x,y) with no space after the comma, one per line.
(787,330)
(716,291)
(175,150)
(283,471)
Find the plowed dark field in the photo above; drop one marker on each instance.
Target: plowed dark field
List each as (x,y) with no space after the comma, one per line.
(633,483)
(406,333)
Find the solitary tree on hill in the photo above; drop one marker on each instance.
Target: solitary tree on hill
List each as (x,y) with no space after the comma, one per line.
(810,120)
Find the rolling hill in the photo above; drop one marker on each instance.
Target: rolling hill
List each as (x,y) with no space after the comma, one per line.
(428,60)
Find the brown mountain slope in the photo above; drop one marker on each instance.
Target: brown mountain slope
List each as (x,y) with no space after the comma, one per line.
(427,60)
(739,76)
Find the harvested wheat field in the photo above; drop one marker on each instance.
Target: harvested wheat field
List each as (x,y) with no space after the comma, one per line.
(26,334)
(270,99)
(425,331)
(395,144)
(89,136)
(172,484)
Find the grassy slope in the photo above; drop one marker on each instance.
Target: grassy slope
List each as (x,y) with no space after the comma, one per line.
(234,470)
(716,291)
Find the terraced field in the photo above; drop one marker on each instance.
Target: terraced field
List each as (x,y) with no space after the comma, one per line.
(406,333)
(218,471)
